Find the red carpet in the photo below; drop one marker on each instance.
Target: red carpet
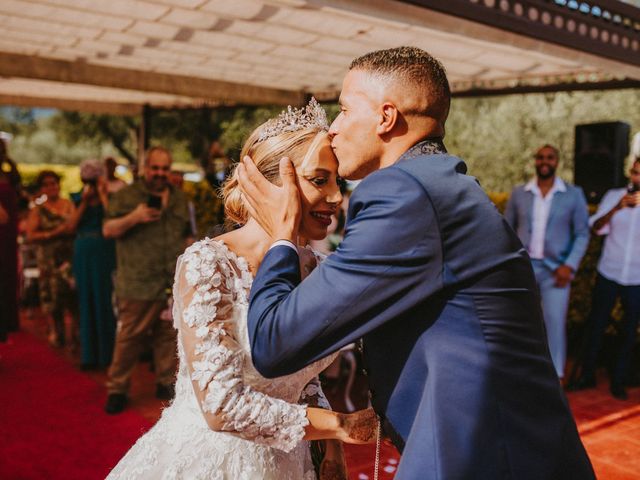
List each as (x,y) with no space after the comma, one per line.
(52,425)
(51,421)
(361,459)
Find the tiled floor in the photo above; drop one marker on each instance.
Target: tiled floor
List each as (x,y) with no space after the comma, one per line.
(610,428)
(610,431)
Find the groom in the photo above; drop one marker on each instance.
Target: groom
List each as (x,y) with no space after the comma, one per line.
(431,277)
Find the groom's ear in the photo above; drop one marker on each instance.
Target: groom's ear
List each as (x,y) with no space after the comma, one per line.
(388,118)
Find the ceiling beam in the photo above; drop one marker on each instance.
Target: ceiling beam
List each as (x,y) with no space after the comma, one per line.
(556,87)
(90,106)
(604,27)
(26,66)
(453,22)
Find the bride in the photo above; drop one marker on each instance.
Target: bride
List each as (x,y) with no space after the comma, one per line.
(227,421)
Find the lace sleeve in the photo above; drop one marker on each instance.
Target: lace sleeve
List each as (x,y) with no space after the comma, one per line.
(313,396)
(205,285)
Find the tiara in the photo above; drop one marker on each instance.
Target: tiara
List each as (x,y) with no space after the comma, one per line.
(294,119)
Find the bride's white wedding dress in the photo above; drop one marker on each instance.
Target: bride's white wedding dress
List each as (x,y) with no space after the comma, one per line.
(263,422)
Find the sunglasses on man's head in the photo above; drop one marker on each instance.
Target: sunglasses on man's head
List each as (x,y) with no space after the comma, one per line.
(539,156)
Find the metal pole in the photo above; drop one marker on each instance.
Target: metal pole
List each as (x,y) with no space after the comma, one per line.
(143,135)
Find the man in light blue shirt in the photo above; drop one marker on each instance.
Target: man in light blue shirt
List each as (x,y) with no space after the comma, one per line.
(551,219)
(618,217)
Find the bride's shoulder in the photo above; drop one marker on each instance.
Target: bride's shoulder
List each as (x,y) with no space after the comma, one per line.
(206,246)
(203,259)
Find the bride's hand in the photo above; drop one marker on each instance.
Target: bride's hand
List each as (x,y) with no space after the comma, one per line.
(359,427)
(276,209)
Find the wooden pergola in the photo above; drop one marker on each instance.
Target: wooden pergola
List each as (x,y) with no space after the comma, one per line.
(122,55)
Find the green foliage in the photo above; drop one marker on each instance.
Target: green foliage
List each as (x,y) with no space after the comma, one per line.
(17,121)
(44,147)
(237,128)
(497,136)
(188,132)
(86,129)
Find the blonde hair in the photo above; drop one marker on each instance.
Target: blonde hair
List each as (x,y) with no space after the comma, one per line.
(266,155)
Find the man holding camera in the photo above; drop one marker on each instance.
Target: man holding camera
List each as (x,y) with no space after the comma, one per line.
(150,222)
(618,217)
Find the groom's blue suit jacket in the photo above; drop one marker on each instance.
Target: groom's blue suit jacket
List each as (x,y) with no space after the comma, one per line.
(443,293)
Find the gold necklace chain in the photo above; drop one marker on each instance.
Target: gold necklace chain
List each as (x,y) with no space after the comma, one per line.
(376,466)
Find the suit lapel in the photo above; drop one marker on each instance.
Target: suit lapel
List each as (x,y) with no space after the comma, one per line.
(528,198)
(558,198)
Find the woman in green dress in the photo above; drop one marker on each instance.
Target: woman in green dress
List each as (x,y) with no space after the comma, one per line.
(47,227)
(93,265)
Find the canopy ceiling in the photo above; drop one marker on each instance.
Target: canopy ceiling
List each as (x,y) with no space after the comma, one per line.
(118,55)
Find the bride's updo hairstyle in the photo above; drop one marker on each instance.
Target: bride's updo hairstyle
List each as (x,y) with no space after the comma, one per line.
(290,137)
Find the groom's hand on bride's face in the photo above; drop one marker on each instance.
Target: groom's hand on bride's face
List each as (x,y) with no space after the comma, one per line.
(276,209)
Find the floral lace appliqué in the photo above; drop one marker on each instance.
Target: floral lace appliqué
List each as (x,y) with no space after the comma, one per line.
(261,421)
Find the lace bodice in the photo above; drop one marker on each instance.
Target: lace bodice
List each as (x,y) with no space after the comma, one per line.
(260,421)
(210,293)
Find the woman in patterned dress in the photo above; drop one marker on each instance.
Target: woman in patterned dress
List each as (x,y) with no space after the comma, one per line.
(47,227)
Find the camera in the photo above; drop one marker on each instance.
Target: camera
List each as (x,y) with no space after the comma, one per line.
(632,188)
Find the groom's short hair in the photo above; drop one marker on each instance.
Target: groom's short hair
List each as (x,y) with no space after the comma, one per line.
(415,68)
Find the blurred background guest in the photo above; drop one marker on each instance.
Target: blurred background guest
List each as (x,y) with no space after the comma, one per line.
(9,191)
(47,227)
(113,183)
(618,217)
(218,166)
(551,218)
(94,260)
(150,222)
(176,178)
(209,209)
(4,216)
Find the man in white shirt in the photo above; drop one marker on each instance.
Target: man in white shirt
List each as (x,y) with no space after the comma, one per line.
(551,219)
(618,217)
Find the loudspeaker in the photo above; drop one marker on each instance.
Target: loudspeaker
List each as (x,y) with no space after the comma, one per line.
(600,151)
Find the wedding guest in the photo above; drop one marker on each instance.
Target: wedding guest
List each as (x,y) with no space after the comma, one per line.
(93,265)
(47,227)
(4,216)
(9,192)
(176,178)
(218,165)
(150,222)
(551,218)
(114,183)
(618,217)
(209,208)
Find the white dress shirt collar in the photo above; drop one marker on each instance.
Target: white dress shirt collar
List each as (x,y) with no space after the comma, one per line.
(558,186)
(540,215)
